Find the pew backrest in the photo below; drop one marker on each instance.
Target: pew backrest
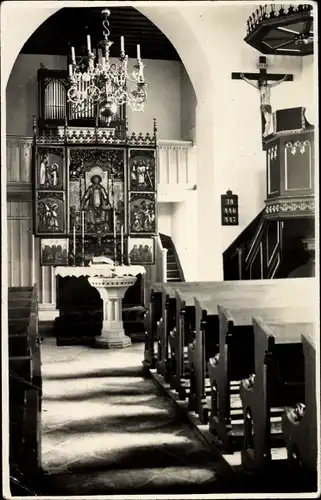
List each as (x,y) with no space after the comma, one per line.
(229,318)
(268,335)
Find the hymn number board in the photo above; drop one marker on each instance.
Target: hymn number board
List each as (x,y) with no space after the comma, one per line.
(229,208)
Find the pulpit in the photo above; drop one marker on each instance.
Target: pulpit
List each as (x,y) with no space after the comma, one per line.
(90,301)
(279,243)
(290,167)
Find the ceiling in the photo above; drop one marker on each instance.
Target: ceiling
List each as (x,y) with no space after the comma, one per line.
(69,27)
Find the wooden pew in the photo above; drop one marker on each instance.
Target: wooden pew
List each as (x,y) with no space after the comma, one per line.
(184,332)
(299,423)
(185,316)
(168,320)
(235,361)
(153,315)
(24,387)
(278,382)
(267,293)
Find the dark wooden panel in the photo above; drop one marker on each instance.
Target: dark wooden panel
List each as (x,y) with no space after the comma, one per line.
(73,24)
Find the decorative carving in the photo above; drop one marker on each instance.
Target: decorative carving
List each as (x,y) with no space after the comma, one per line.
(216,359)
(296,414)
(291,206)
(300,145)
(68,135)
(249,382)
(273,152)
(175,145)
(111,160)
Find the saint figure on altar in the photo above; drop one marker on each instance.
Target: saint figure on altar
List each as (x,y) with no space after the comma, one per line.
(95,203)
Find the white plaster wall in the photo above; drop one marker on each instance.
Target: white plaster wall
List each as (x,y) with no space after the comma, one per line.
(188,107)
(164,96)
(163,101)
(184,229)
(164,218)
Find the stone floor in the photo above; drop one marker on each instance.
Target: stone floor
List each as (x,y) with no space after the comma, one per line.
(107,429)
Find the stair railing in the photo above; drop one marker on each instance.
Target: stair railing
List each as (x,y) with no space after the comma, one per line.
(161,261)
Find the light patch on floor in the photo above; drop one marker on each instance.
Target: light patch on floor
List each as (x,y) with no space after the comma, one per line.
(108,429)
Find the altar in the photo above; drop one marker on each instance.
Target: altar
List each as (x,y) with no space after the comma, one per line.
(90,301)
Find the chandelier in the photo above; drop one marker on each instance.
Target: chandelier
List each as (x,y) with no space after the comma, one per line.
(104,83)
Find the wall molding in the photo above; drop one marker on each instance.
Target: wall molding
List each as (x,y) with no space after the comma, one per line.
(17,140)
(172,145)
(47,312)
(19,191)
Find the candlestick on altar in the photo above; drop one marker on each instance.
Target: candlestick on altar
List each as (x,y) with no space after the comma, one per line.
(73,55)
(74,245)
(122,245)
(82,238)
(88,43)
(115,242)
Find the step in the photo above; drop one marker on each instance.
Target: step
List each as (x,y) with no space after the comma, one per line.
(172,272)
(171,265)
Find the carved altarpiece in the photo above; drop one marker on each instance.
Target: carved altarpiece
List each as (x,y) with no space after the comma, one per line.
(95,188)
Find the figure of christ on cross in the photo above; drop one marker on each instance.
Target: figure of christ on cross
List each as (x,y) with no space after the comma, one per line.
(260,82)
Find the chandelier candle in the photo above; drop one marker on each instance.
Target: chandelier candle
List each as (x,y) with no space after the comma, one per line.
(73,55)
(122,45)
(88,43)
(138,53)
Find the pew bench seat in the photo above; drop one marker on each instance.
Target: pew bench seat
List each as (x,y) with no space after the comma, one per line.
(235,360)
(299,423)
(276,383)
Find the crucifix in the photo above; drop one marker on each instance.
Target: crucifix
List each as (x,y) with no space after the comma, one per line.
(260,82)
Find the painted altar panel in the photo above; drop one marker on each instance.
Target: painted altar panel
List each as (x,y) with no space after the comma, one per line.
(50,217)
(142,169)
(54,252)
(141,251)
(50,168)
(96,187)
(142,213)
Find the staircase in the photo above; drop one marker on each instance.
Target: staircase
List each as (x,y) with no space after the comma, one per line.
(174,269)
(270,249)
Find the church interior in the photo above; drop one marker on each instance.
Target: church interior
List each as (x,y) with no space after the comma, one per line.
(158,251)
